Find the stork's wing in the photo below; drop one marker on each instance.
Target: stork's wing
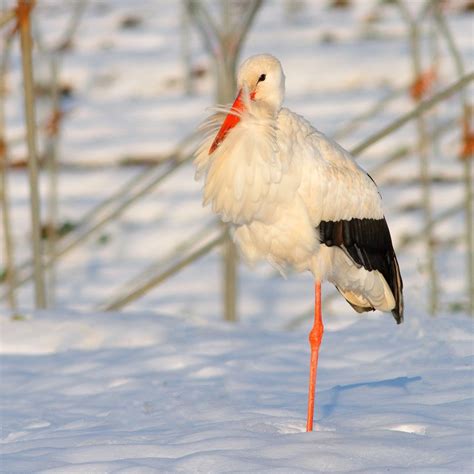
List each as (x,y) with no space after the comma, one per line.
(368,243)
(344,204)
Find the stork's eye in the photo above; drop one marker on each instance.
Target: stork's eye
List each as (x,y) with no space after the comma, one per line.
(262,78)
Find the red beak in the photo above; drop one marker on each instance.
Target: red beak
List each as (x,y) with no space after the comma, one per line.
(230,121)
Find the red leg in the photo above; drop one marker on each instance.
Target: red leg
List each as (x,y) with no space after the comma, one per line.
(315,337)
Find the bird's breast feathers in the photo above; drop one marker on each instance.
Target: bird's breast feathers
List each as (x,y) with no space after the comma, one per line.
(246,176)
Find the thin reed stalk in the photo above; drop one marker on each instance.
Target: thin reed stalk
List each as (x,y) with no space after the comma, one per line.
(405,150)
(467,161)
(423,107)
(367,114)
(424,156)
(53,54)
(186,50)
(184,247)
(52,173)
(24,22)
(163,276)
(6,17)
(4,192)
(223,44)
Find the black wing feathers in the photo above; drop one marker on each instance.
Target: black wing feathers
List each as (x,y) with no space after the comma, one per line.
(369,244)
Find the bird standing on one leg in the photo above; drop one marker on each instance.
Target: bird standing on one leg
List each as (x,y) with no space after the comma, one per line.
(297,199)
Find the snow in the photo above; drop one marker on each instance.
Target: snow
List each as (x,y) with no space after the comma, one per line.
(145,392)
(165,385)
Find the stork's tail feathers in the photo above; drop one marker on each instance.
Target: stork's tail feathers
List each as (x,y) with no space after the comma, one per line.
(396,285)
(358,302)
(361,304)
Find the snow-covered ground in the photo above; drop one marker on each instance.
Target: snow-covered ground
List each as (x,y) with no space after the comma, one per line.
(166,385)
(140,392)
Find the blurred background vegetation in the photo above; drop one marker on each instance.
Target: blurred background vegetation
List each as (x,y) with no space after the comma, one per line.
(98,118)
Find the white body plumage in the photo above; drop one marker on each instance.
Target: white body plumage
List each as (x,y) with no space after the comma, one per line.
(276,178)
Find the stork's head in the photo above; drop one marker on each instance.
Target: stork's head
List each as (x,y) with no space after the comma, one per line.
(263,78)
(260,79)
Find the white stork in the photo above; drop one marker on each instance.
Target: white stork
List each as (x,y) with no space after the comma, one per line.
(297,199)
